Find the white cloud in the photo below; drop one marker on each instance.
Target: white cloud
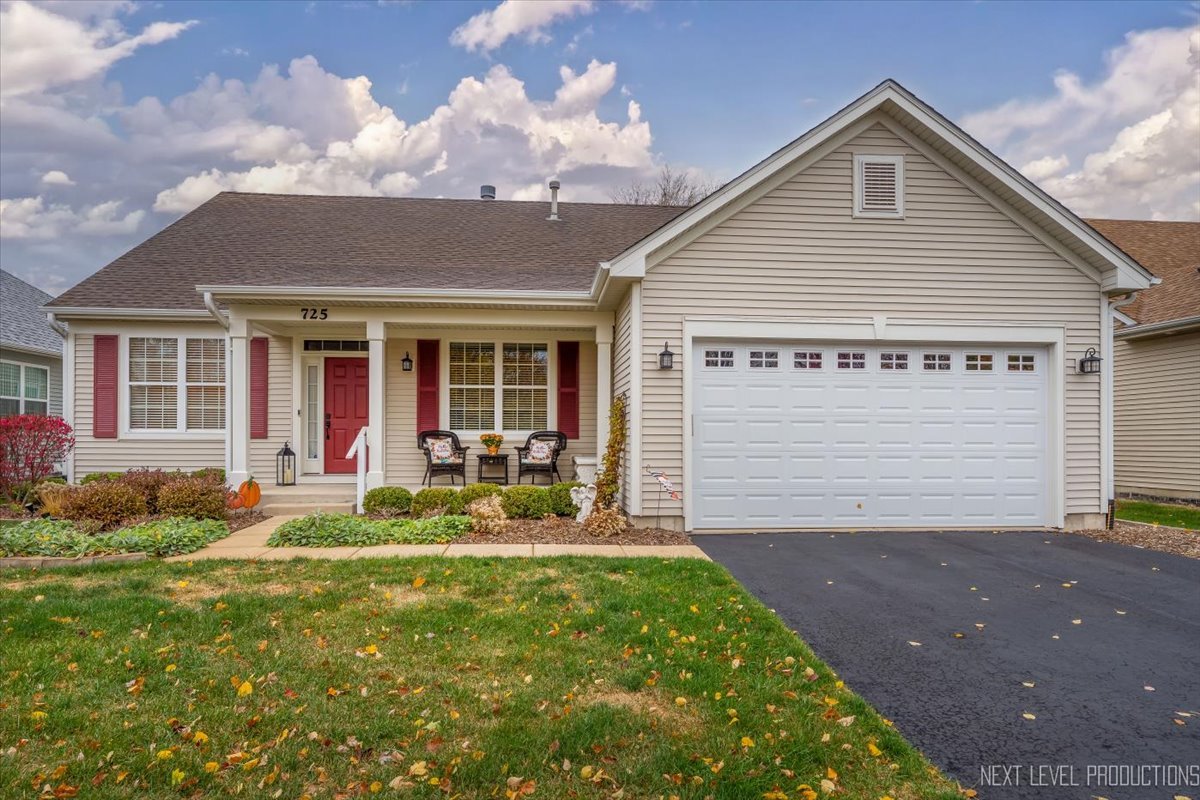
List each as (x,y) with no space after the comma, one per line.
(489,131)
(487,30)
(56,177)
(43,49)
(31,218)
(1126,145)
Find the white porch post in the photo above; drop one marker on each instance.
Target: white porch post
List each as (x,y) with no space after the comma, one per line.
(376,363)
(237,381)
(604,338)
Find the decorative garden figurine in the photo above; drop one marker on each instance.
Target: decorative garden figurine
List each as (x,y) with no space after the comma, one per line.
(585,498)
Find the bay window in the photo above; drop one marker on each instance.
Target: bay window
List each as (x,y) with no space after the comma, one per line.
(176,383)
(512,389)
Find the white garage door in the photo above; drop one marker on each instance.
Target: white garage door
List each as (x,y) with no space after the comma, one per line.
(809,435)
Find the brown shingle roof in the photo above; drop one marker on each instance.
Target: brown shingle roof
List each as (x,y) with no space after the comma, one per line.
(1171,250)
(369,242)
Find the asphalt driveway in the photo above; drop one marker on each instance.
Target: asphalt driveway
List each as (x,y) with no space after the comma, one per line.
(1108,636)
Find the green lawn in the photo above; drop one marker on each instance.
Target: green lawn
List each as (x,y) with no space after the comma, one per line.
(1159,514)
(431,677)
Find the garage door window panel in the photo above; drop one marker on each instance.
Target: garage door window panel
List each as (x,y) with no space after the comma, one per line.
(893,361)
(979,362)
(807,359)
(718,359)
(1022,362)
(937,362)
(764,359)
(852,359)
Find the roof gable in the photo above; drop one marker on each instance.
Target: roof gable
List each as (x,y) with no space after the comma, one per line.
(1117,271)
(1172,251)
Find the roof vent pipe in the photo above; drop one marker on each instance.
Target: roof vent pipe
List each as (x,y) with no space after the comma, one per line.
(487,192)
(554,200)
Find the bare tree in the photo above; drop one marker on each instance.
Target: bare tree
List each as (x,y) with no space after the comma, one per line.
(671,187)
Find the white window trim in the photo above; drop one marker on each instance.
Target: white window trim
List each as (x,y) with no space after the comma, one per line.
(523,337)
(21,398)
(1037,363)
(859,211)
(764,349)
(180,431)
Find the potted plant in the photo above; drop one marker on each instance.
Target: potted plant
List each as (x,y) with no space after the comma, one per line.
(492,442)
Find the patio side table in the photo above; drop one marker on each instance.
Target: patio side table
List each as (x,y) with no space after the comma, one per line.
(499,461)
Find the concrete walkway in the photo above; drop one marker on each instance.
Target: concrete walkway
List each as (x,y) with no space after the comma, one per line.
(251,543)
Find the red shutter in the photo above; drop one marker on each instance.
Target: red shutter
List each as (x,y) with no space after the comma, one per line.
(104,387)
(429,412)
(568,389)
(259,347)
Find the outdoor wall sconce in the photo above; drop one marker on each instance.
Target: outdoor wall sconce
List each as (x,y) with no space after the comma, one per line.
(285,466)
(1090,363)
(666,359)
(406,362)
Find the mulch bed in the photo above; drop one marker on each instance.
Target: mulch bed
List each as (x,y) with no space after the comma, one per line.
(240,520)
(1150,537)
(568,531)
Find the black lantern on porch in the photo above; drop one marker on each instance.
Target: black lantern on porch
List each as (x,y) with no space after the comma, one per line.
(285,466)
(406,363)
(1090,363)
(666,359)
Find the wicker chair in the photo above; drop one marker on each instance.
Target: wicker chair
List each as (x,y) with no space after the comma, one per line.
(557,441)
(457,466)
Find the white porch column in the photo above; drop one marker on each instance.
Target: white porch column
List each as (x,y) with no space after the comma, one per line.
(376,366)
(604,338)
(237,390)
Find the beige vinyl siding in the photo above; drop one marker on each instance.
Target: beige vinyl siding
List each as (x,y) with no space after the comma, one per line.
(797,253)
(1156,416)
(405,463)
(55,374)
(622,382)
(279,410)
(188,452)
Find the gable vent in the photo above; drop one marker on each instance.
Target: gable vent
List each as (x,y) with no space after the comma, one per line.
(878,186)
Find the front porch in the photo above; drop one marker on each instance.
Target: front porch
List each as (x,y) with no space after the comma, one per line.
(315,375)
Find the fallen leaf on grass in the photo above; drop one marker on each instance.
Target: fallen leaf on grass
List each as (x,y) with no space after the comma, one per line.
(418,581)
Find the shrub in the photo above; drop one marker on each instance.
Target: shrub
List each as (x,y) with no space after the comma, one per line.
(608,482)
(212,473)
(487,515)
(388,501)
(527,502)
(437,500)
(473,491)
(338,530)
(53,498)
(147,483)
(605,521)
(103,504)
(30,447)
(93,477)
(561,503)
(188,496)
(164,537)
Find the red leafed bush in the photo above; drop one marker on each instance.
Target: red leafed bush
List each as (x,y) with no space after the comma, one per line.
(30,447)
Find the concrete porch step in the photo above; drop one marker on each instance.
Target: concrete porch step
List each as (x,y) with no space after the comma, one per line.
(294,508)
(306,498)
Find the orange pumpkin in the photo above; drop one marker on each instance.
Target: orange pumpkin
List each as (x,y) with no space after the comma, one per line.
(233,501)
(250,492)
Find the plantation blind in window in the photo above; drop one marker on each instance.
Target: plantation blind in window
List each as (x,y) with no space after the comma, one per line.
(472,386)
(524,388)
(153,383)
(205,380)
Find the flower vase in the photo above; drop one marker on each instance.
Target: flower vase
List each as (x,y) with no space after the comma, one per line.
(493,449)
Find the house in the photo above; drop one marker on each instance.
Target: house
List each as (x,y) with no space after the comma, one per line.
(31,351)
(879,325)
(1156,379)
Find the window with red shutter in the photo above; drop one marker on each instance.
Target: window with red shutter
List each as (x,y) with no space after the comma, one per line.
(568,389)
(428,375)
(104,387)
(259,373)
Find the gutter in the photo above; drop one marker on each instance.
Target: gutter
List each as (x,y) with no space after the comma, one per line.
(211,305)
(58,327)
(1159,328)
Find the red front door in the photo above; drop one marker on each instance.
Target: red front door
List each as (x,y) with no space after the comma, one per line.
(345,409)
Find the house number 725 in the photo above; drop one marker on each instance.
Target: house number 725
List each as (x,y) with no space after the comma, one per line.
(314,313)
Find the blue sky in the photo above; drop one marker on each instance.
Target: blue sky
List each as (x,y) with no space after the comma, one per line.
(1094,100)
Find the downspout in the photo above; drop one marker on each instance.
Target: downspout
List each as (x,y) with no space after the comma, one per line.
(58,327)
(211,305)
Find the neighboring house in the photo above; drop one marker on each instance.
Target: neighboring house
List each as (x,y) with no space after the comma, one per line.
(877,326)
(31,352)
(1157,352)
